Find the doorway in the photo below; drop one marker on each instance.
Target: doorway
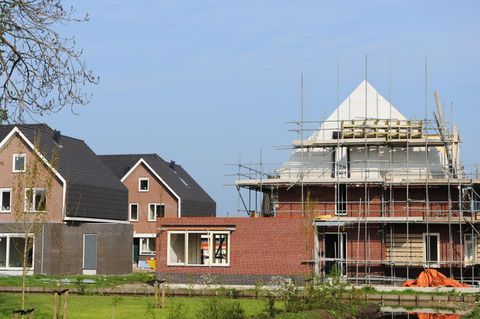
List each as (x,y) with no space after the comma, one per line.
(335,254)
(89,254)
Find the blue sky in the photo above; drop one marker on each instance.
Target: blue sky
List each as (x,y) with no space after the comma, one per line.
(206,82)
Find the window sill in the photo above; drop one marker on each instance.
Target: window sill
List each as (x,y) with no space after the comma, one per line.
(199,266)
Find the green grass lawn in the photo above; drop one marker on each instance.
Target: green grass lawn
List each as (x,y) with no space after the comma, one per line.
(81,306)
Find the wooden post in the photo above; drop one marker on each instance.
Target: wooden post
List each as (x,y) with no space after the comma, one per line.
(15,315)
(65,305)
(162,305)
(156,286)
(55,304)
(32,314)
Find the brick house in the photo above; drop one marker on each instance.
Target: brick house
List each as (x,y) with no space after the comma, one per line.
(234,250)
(80,206)
(156,189)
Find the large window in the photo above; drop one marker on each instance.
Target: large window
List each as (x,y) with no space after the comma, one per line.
(199,248)
(470,249)
(133,212)
(147,246)
(11,251)
(5,200)
(35,200)
(155,211)
(19,163)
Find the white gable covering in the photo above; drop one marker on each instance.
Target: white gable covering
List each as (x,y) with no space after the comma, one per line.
(355,108)
(365,102)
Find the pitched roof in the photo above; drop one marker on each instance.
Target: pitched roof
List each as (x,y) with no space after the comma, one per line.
(195,200)
(93,191)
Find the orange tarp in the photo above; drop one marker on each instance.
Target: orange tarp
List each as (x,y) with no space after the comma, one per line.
(436,316)
(433,278)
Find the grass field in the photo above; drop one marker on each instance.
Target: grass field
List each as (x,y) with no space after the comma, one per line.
(80,306)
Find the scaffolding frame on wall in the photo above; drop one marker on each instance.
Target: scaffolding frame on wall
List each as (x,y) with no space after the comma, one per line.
(435,194)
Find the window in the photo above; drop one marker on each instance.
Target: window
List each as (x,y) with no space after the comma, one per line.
(470,250)
(147,246)
(341,199)
(35,200)
(198,248)
(19,163)
(176,248)
(134,212)
(220,249)
(432,249)
(5,200)
(143,184)
(11,251)
(155,211)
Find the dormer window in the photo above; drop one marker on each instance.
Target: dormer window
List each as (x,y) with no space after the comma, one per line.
(143,185)
(19,161)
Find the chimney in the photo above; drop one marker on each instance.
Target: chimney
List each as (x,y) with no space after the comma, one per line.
(56,136)
(172,165)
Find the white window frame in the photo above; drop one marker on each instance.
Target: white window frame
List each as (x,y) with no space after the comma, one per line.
(147,253)
(428,263)
(130,212)
(154,211)
(32,209)
(474,241)
(344,201)
(24,162)
(210,235)
(4,190)
(8,237)
(140,180)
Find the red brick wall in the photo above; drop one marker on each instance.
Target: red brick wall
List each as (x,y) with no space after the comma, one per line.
(258,246)
(320,200)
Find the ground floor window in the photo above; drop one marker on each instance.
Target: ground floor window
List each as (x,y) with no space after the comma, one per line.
(470,250)
(147,246)
(431,249)
(199,248)
(12,249)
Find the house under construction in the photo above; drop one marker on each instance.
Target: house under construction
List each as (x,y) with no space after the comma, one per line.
(370,195)
(388,195)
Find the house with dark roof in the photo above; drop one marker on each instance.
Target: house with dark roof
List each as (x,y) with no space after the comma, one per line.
(156,189)
(78,204)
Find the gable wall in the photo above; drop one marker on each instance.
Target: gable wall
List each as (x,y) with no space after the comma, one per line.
(8,179)
(157,193)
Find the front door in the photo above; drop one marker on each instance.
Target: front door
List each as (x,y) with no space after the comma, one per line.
(136,250)
(89,254)
(335,254)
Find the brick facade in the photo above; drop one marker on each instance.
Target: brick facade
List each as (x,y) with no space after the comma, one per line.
(259,249)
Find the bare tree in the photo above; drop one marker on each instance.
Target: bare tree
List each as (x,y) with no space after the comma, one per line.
(41,72)
(31,191)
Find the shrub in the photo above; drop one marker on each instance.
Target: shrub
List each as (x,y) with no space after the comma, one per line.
(285,290)
(220,308)
(177,310)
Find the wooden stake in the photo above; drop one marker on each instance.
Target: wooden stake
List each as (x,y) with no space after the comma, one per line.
(65,305)
(55,305)
(163,296)
(156,294)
